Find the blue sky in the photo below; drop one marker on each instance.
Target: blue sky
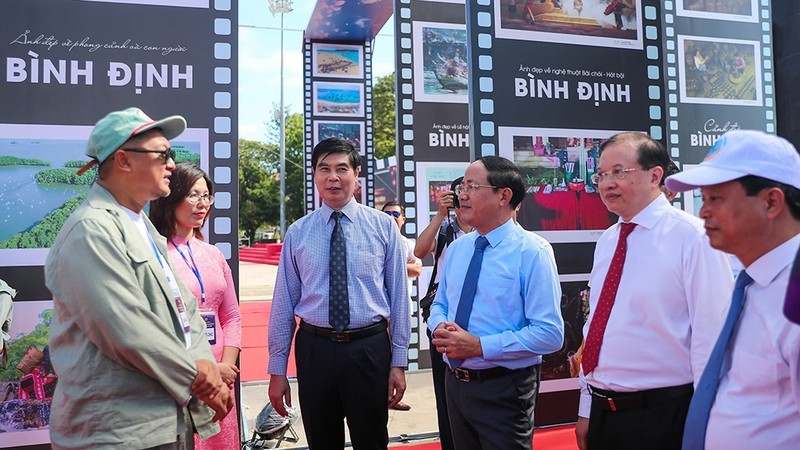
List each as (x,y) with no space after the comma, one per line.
(259,62)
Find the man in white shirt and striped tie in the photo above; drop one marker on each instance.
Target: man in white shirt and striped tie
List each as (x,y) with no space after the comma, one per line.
(658,296)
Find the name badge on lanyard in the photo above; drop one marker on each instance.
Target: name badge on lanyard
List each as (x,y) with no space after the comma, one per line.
(180,305)
(210,318)
(208,314)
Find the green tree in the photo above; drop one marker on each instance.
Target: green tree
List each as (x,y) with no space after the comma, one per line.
(259,178)
(256,187)
(383,123)
(295,191)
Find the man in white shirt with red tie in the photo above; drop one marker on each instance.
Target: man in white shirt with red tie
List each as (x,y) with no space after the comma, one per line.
(749,394)
(658,297)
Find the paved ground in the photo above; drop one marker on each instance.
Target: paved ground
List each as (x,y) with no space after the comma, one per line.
(257,282)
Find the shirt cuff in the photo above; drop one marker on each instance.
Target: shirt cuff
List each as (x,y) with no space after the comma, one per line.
(277,367)
(491,347)
(433,322)
(400,358)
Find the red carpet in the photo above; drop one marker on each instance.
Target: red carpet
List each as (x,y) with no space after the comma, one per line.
(557,438)
(254,361)
(255,355)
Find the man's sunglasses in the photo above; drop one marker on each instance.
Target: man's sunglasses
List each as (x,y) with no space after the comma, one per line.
(165,155)
(396,214)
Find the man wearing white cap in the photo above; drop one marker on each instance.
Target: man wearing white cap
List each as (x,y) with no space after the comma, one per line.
(126,339)
(749,394)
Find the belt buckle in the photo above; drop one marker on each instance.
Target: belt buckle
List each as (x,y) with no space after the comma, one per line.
(340,337)
(462,374)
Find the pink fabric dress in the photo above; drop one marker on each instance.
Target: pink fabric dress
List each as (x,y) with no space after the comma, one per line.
(220,297)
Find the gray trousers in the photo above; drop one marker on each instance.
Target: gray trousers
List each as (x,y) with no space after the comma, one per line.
(493,414)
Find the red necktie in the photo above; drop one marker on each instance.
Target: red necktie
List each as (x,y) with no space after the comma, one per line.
(594,339)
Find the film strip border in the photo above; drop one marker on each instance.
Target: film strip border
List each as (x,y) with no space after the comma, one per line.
(672,79)
(406,170)
(653,47)
(480,33)
(367,162)
(308,131)
(768,69)
(223,136)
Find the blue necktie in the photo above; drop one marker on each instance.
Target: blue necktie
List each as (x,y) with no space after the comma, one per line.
(468,291)
(694,434)
(338,301)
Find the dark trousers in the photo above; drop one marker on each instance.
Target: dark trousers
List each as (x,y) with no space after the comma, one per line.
(654,425)
(344,380)
(493,414)
(438,369)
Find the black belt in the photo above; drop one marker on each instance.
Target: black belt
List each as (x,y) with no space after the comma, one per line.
(346,335)
(616,401)
(467,375)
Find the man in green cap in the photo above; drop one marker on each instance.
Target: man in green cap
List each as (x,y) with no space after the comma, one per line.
(135,369)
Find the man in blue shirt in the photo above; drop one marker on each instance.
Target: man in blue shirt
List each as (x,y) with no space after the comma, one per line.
(343,273)
(494,323)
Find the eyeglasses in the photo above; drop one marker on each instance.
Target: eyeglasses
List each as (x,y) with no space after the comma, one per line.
(396,214)
(470,188)
(616,174)
(194,198)
(164,155)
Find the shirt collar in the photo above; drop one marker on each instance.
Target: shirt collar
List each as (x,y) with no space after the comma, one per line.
(498,234)
(766,268)
(652,213)
(349,210)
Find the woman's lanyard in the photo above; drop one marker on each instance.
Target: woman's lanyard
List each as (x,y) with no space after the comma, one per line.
(192,265)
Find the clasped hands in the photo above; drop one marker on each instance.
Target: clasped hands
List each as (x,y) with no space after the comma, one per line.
(455,342)
(210,388)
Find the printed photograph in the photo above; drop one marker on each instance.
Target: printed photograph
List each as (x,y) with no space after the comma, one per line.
(338,60)
(441,71)
(360,193)
(353,132)
(385,184)
(561,202)
(27,378)
(566,362)
(719,71)
(432,179)
(338,99)
(734,10)
(601,23)
(40,188)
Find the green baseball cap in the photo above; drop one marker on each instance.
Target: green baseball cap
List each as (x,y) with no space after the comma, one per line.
(113,130)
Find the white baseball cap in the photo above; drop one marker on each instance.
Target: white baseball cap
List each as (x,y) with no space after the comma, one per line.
(740,153)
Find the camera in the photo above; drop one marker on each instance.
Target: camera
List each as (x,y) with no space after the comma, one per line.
(453,185)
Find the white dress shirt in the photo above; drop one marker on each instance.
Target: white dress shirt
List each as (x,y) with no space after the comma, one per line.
(672,299)
(758,401)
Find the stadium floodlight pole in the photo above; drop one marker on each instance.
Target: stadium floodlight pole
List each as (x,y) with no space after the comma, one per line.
(282,7)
